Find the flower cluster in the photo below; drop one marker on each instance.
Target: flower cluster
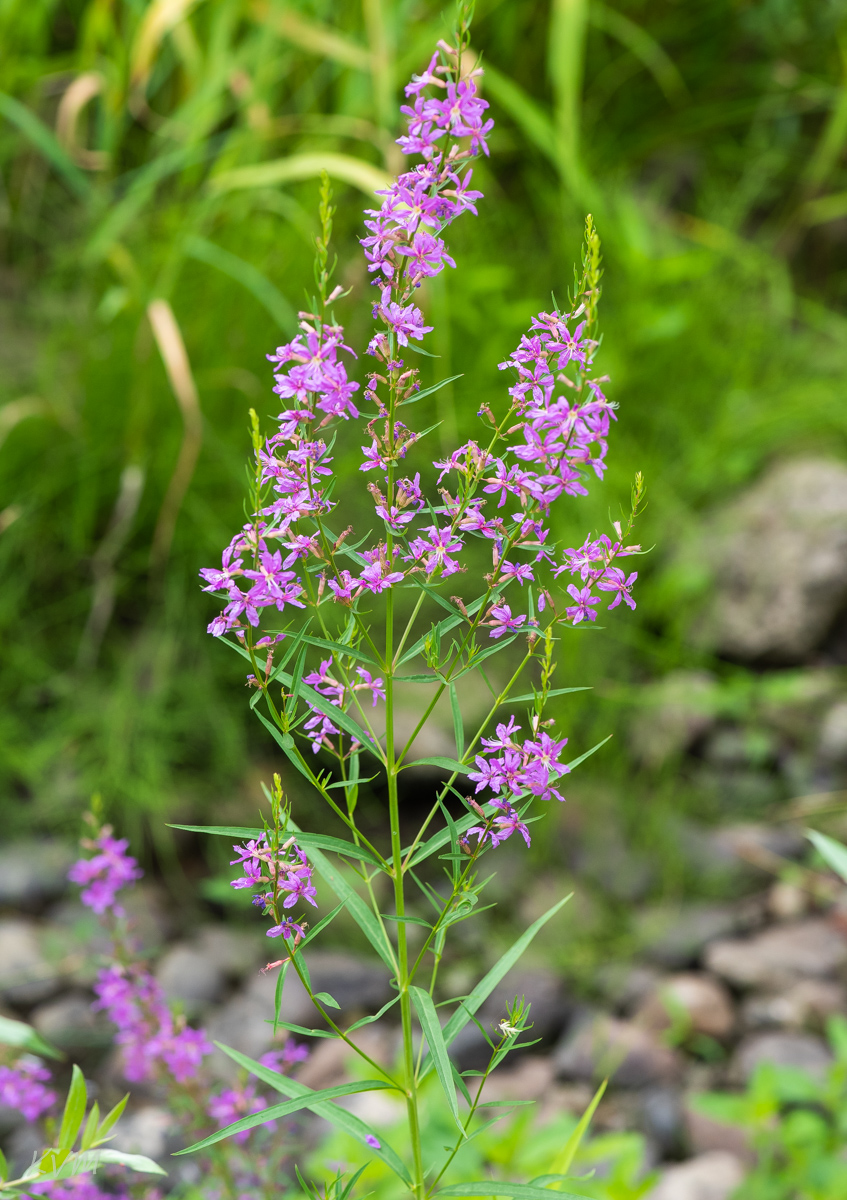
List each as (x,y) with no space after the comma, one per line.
(403,232)
(148,1033)
(84,1187)
(319,726)
(103,876)
(22,1088)
(283,876)
(232,1104)
(529,768)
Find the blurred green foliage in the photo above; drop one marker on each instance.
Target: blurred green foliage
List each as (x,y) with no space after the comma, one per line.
(166,152)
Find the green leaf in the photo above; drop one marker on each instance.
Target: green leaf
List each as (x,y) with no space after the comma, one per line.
(588,753)
(341,648)
(325,1108)
(74,1110)
(440,629)
(4,1167)
(326,999)
(303,1030)
(89,1133)
(497,1187)
(458,723)
(111,1118)
(562,1164)
(322,924)
(406,920)
(429,391)
(135,1162)
(286,743)
(416,678)
(323,841)
(431,1028)
(24,1037)
(359,911)
(243,272)
(530,118)
(438,760)
(488,983)
(241,832)
(46,144)
(369,1020)
(832,852)
(554,692)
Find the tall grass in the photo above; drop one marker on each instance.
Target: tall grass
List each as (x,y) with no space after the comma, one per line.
(157,188)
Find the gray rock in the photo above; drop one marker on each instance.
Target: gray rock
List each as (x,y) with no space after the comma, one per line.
(234,952)
(832,747)
(672,714)
(704,1134)
(70,1023)
(550,1010)
(245,1021)
(662,1118)
(32,873)
(700,1000)
(807,1004)
(778,556)
(712,1176)
(675,937)
(149,1130)
(25,974)
(751,842)
(190,975)
(600,1045)
(813,948)
(800,1050)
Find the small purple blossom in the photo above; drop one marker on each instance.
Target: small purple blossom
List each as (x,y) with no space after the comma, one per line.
(105,874)
(22,1088)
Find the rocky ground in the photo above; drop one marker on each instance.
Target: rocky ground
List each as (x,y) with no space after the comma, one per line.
(717,989)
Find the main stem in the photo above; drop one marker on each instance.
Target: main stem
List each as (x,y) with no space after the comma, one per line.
(400,909)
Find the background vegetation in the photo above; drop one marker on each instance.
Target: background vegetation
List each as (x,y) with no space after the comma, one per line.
(158,183)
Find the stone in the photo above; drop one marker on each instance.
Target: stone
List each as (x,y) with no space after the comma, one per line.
(191,976)
(530,1078)
(675,937)
(25,974)
(786,901)
(712,1176)
(704,1134)
(756,843)
(778,559)
(832,747)
(813,948)
(234,952)
(661,1118)
(808,1003)
(149,1130)
(600,1046)
(245,1021)
(801,1050)
(703,1002)
(70,1023)
(672,715)
(33,873)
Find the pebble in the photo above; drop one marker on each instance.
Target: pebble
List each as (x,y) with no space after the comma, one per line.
(190,975)
(807,1003)
(712,1176)
(704,1134)
(801,1050)
(778,956)
(147,1130)
(675,937)
(705,1002)
(602,1046)
(25,974)
(32,873)
(70,1023)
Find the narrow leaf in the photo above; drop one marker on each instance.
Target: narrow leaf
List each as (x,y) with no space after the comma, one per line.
(833,852)
(286,743)
(24,1037)
(111,1118)
(562,1164)
(74,1110)
(438,760)
(325,841)
(498,1187)
(46,143)
(325,1108)
(243,272)
(458,724)
(341,648)
(428,1018)
(554,692)
(489,981)
(135,1162)
(326,999)
(588,753)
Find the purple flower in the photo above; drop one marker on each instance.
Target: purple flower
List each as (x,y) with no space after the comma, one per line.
(583,609)
(288,1056)
(105,874)
(22,1088)
(405,320)
(372,1141)
(519,571)
(615,581)
(502,621)
(286,929)
(232,1104)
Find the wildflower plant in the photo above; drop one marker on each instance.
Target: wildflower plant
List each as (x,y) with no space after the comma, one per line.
(315,610)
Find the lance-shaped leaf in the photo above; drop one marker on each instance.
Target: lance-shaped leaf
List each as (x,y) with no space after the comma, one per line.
(325,1108)
(831,851)
(24,1037)
(74,1112)
(502,1187)
(286,744)
(428,1018)
(439,760)
(488,983)
(340,648)
(441,628)
(575,762)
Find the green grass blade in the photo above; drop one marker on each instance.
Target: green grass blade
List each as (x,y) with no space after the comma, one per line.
(44,141)
(833,852)
(24,1037)
(74,1112)
(243,272)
